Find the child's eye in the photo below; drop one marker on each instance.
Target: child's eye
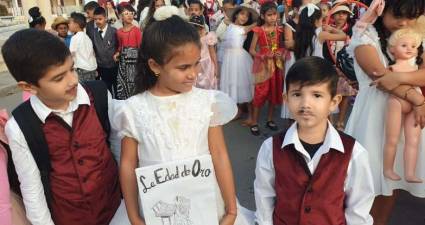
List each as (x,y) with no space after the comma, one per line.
(183,67)
(296,94)
(317,95)
(58,79)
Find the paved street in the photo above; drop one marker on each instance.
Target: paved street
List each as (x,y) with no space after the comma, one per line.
(243,148)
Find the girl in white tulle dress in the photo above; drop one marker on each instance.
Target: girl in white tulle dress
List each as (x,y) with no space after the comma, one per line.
(236,77)
(169,119)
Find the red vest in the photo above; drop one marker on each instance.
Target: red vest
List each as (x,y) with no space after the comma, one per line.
(84,176)
(306,199)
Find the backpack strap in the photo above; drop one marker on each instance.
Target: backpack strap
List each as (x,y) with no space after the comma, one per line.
(31,127)
(99,92)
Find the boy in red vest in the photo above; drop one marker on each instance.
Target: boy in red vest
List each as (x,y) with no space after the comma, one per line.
(59,137)
(311,174)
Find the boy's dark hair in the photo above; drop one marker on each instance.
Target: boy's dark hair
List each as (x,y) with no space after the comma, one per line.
(36,17)
(228,2)
(91,6)
(310,71)
(297,3)
(79,19)
(196,2)
(26,57)
(406,9)
(125,7)
(99,11)
(159,40)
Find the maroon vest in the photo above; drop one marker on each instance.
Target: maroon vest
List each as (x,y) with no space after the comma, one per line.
(306,199)
(84,176)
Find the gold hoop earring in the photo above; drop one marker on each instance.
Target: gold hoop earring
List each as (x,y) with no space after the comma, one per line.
(157,74)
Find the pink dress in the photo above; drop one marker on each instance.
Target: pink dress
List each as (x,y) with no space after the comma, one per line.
(11,206)
(207,79)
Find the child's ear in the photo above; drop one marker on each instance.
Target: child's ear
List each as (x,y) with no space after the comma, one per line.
(25,86)
(154,66)
(335,102)
(284,97)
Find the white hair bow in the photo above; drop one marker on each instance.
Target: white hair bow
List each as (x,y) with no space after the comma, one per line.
(165,12)
(310,7)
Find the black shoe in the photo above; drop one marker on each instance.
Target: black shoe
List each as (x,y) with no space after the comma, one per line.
(271,125)
(255,130)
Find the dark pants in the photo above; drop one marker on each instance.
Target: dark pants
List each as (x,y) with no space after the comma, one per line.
(109,76)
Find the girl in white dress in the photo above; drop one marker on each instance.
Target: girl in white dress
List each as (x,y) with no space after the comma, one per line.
(309,38)
(368,47)
(236,78)
(169,119)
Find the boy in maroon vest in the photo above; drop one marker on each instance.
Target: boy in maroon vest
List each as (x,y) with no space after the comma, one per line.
(312,174)
(72,177)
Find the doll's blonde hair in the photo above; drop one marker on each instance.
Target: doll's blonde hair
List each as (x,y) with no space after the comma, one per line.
(420,26)
(406,32)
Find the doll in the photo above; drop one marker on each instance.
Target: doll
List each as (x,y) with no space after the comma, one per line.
(403,45)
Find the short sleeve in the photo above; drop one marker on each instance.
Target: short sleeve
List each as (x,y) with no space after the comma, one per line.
(123,119)
(223,109)
(256,30)
(211,38)
(367,37)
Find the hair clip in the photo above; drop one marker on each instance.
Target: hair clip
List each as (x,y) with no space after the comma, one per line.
(311,8)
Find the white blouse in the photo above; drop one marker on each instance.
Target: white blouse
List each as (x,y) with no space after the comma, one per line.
(172,127)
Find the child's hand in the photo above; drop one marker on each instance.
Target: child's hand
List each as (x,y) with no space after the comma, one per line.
(116,56)
(228,219)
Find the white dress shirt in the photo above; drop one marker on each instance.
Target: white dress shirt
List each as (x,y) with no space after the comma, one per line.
(81,48)
(358,184)
(31,186)
(103,30)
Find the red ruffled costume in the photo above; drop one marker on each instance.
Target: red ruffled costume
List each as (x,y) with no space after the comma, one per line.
(268,67)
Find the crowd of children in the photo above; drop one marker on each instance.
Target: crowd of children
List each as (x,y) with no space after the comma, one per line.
(172,73)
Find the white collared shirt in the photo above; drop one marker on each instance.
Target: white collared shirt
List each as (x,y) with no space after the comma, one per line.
(81,48)
(103,30)
(32,190)
(358,184)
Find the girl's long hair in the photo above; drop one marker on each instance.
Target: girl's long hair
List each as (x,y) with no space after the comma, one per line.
(306,33)
(160,38)
(409,9)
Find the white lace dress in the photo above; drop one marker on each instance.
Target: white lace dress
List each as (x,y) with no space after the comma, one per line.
(174,127)
(367,124)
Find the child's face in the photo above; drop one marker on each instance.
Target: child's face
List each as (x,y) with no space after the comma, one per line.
(242,17)
(270,17)
(62,30)
(159,3)
(311,104)
(127,17)
(179,74)
(227,6)
(90,13)
(73,26)
(405,48)
(109,5)
(340,17)
(195,10)
(58,86)
(100,21)
(393,23)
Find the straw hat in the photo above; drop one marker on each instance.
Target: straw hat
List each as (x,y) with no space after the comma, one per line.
(247,7)
(59,20)
(342,8)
